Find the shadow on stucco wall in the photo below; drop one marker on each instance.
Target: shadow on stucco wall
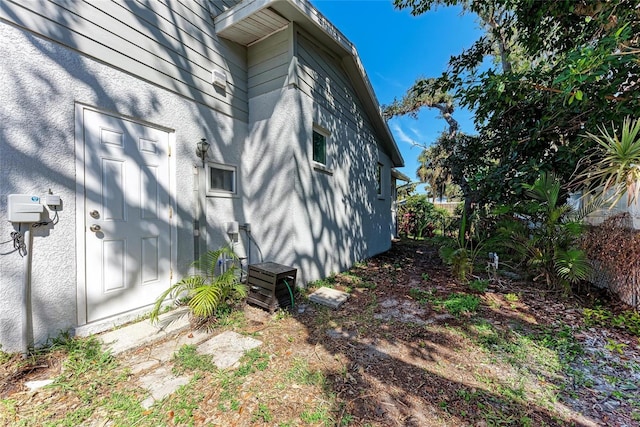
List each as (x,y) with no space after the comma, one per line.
(41,83)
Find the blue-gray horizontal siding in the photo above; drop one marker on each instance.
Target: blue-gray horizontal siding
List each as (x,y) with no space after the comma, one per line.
(322,77)
(171,44)
(268,64)
(218,6)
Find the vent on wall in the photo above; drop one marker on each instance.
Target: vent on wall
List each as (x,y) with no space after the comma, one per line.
(219,78)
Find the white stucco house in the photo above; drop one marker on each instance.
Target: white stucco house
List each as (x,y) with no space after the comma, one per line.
(103,103)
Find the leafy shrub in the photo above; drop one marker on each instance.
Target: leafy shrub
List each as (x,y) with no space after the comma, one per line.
(419,217)
(545,235)
(460,257)
(211,290)
(479,285)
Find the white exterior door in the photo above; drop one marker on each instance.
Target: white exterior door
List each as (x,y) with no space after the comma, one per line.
(127,214)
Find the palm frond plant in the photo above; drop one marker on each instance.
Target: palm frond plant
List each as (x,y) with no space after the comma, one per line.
(545,234)
(209,291)
(614,167)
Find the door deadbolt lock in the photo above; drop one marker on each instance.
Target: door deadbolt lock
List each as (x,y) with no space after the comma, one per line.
(95,228)
(94,214)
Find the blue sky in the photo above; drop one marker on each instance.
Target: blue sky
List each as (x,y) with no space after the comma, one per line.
(395,49)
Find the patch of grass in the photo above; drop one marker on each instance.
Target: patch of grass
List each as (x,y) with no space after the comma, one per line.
(188,359)
(283,314)
(422,296)
(512,297)
(230,318)
(4,357)
(563,342)
(600,316)
(183,403)
(317,416)
(479,285)
(301,374)
(253,360)
(458,304)
(262,414)
(327,282)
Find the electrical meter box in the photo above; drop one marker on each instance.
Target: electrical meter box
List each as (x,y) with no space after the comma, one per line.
(24,208)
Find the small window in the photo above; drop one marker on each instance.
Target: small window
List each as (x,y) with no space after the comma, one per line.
(319,148)
(221,179)
(379,179)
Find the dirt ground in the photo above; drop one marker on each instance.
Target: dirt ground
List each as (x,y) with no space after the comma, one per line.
(389,358)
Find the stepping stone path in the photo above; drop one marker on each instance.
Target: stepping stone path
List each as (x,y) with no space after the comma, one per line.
(149,351)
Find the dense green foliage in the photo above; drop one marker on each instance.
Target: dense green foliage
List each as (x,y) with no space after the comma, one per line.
(420,218)
(561,69)
(544,236)
(553,88)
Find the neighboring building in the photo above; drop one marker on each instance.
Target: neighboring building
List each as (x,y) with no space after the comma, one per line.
(103,103)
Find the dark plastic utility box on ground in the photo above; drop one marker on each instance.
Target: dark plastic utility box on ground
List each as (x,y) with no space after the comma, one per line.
(268,285)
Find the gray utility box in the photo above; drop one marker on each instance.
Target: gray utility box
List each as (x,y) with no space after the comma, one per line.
(268,285)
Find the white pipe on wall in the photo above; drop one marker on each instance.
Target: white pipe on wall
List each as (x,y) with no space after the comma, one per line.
(26,292)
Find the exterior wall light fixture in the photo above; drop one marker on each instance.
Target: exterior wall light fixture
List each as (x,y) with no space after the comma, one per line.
(201,149)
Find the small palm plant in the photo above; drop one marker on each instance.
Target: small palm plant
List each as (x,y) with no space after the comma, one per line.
(615,167)
(206,293)
(545,234)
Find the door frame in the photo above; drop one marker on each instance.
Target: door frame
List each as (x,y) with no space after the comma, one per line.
(81,273)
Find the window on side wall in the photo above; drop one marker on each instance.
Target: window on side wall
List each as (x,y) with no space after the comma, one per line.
(379,179)
(319,147)
(221,180)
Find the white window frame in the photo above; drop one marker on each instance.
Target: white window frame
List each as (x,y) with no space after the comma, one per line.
(318,166)
(216,192)
(379,181)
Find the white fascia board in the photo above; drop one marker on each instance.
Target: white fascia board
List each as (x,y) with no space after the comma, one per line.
(239,12)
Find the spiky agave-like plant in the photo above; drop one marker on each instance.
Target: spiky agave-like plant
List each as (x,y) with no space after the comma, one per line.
(206,292)
(616,168)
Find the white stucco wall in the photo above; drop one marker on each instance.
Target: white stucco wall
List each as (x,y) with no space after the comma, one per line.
(40,84)
(316,221)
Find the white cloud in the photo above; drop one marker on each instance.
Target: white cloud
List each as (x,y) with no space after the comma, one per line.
(402,136)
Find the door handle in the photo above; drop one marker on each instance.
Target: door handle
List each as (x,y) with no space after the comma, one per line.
(94,214)
(95,228)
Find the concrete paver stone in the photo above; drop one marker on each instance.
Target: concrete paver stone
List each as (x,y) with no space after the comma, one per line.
(329,297)
(156,345)
(227,348)
(160,383)
(144,332)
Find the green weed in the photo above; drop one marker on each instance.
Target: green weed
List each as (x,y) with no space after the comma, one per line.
(512,297)
(614,346)
(301,374)
(188,359)
(262,414)
(317,416)
(457,304)
(421,295)
(479,285)
(253,360)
